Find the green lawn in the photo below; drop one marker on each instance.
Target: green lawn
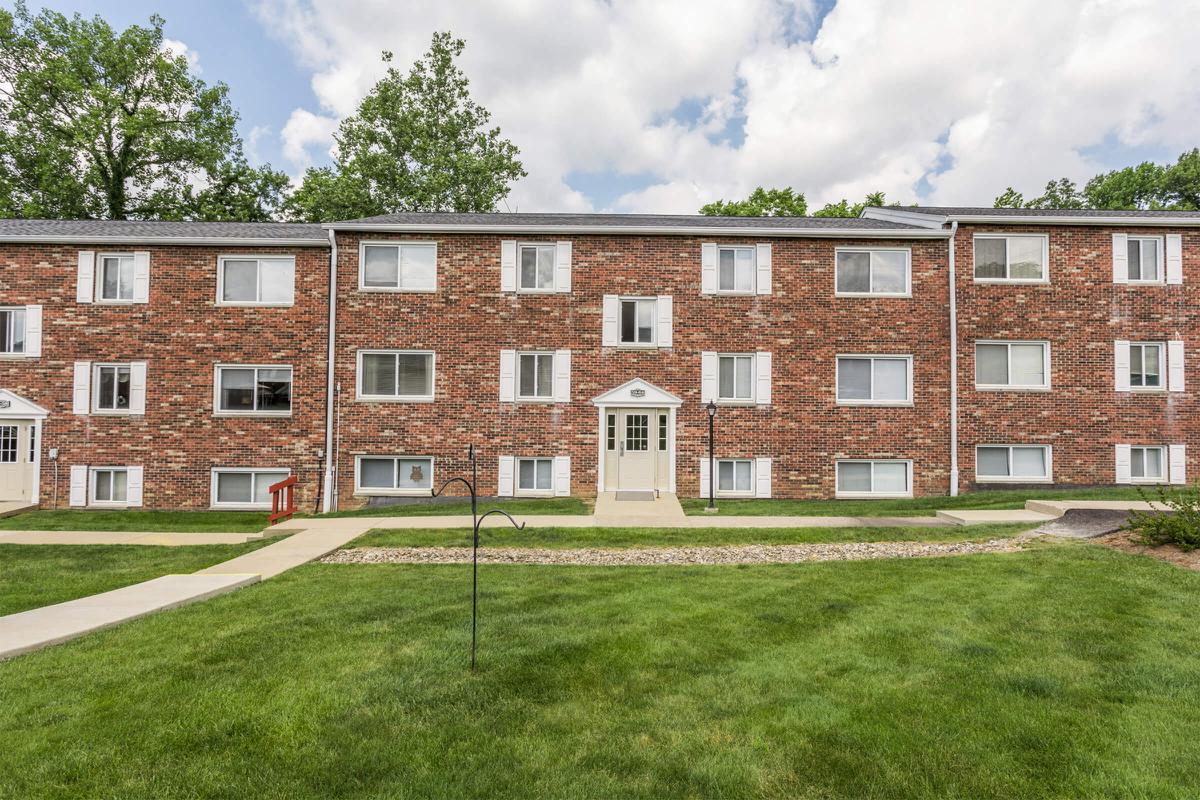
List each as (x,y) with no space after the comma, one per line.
(38,575)
(665,537)
(548,505)
(913,507)
(167,521)
(1066,671)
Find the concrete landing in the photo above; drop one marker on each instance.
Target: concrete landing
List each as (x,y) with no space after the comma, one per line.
(121,537)
(1060,507)
(9,508)
(662,511)
(269,561)
(968,516)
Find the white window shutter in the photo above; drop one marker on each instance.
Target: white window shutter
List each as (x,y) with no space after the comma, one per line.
(665,312)
(504,479)
(763,265)
(133,487)
(82,394)
(1175,370)
(562,476)
(762,379)
(508,266)
(1174,258)
(508,376)
(85,281)
(33,331)
(762,477)
(708,268)
(612,308)
(562,376)
(141,276)
(704,465)
(1178,461)
(562,267)
(1124,468)
(1121,365)
(79,485)
(137,387)
(1120,258)
(708,376)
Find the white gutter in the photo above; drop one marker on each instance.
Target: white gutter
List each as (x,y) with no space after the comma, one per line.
(953,366)
(330,456)
(166,240)
(1128,222)
(651,230)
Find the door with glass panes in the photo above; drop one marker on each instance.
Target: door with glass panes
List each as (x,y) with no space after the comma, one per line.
(636,444)
(17,449)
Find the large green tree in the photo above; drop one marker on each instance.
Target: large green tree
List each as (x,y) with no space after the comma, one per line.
(417,142)
(1143,186)
(105,124)
(787,202)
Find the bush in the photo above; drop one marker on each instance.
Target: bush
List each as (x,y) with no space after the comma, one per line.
(1180,526)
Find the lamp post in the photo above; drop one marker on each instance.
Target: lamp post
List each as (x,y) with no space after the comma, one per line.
(711,408)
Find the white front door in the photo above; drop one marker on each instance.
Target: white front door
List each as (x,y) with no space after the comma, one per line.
(16,460)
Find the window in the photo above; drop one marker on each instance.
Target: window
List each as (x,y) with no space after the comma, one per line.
(535,475)
(246,280)
(1145,366)
(874,380)
(637,433)
(735,378)
(881,272)
(1144,259)
(110,486)
(1014,259)
(245,488)
(736,268)
(537,267)
(1147,464)
(874,478)
(735,476)
(662,432)
(8,444)
(112,387)
(395,375)
(33,450)
(254,390)
(12,331)
(394,475)
(535,380)
(638,321)
(116,278)
(1012,463)
(611,431)
(398,267)
(1012,365)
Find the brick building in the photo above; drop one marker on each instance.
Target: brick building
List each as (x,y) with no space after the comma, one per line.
(912,351)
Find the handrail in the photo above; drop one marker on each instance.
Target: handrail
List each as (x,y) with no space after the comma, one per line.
(280,510)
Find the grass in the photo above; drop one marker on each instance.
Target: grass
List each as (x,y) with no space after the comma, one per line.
(165,521)
(36,575)
(548,505)
(667,537)
(1062,672)
(911,507)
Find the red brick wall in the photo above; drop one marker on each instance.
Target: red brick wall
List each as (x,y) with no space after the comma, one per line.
(181,333)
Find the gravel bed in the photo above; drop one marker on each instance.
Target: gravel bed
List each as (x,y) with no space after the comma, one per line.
(639,556)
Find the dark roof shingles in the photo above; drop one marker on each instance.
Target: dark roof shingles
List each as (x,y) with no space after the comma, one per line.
(624,220)
(982,211)
(113,229)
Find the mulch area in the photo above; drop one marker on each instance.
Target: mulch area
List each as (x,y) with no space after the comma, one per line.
(1127,542)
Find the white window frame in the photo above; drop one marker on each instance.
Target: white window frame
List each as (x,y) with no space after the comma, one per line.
(254,471)
(93,473)
(716,477)
(98,291)
(535,492)
(872,357)
(371,491)
(1163,367)
(24,351)
(872,494)
(738,401)
(1014,387)
(1160,255)
(258,259)
(534,398)
(871,251)
(553,288)
(219,412)
(621,300)
(1164,456)
(753,269)
(95,389)
(362,266)
(1007,260)
(395,398)
(1049,459)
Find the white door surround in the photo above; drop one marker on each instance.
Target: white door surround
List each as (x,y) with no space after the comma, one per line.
(630,402)
(20,448)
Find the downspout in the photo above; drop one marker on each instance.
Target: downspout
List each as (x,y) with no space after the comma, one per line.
(328,503)
(953,366)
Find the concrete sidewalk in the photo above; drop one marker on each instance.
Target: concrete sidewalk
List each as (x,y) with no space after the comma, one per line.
(130,537)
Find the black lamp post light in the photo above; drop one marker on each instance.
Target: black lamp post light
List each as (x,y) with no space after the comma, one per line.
(476,519)
(711,408)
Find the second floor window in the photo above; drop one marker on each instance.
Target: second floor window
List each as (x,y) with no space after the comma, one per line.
(1144,262)
(535,379)
(1012,365)
(735,378)
(874,380)
(1145,366)
(638,320)
(399,267)
(257,281)
(112,388)
(12,331)
(395,375)
(116,278)
(254,390)
(1010,259)
(736,269)
(881,272)
(537,267)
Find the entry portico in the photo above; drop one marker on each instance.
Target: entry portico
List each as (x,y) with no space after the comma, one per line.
(636,438)
(20,448)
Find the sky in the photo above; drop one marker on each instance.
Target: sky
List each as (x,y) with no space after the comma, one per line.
(664,105)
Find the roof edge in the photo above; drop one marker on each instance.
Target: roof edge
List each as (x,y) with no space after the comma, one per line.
(923,232)
(245,241)
(1127,222)
(905,217)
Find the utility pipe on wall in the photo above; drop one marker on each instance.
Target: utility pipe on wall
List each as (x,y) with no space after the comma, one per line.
(953,365)
(328,502)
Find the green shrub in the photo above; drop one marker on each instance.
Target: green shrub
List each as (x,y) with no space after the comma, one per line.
(1180,527)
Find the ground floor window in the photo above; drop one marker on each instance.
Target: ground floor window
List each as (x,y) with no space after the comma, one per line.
(8,444)
(735,476)
(1012,463)
(1147,464)
(110,485)
(394,475)
(874,479)
(535,475)
(245,487)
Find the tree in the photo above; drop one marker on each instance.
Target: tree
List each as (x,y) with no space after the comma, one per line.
(95,123)
(843,208)
(1144,186)
(417,142)
(761,203)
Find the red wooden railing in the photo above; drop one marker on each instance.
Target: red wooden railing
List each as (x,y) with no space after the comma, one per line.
(283,508)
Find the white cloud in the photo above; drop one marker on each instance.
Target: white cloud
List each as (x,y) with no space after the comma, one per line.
(177,48)
(966,98)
